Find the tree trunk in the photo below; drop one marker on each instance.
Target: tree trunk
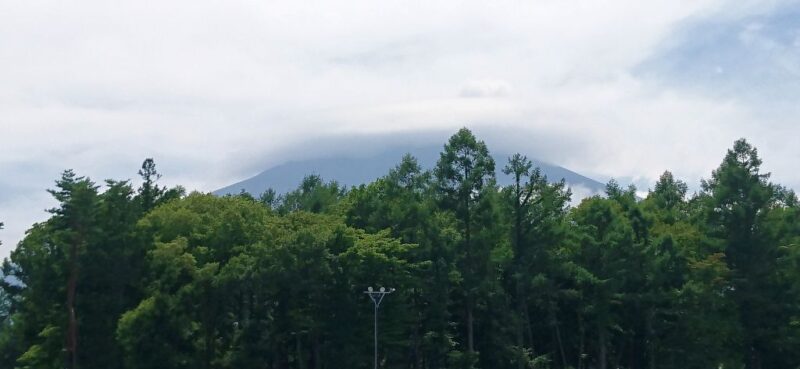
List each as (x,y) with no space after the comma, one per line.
(299,352)
(470,335)
(522,309)
(559,340)
(651,337)
(522,320)
(581,344)
(415,339)
(753,359)
(601,348)
(528,328)
(469,266)
(283,356)
(72,328)
(317,352)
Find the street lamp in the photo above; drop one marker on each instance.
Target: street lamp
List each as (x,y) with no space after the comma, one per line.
(377,297)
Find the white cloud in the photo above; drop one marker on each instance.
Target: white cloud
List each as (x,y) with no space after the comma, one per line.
(579,193)
(485,88)
(214,90)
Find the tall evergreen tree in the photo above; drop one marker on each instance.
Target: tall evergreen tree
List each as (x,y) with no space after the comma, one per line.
(739,200)
(110,275)
(687,275)
(536,209)
(150,194)
(465,181)
(604,241)
(75,228)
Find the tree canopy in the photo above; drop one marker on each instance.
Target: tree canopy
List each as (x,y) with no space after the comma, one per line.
(133,277)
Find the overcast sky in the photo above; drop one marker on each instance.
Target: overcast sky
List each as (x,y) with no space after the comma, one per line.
(217,91)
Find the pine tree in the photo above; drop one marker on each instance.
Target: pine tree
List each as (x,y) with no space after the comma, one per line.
(738,202)
(74,221)
(536,210)
(465,181)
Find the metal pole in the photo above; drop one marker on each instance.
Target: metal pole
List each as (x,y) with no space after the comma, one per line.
(377,296)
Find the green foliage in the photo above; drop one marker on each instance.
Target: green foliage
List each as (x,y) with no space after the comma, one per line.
(486,277)
(465,187)
(741,207)
(313,195)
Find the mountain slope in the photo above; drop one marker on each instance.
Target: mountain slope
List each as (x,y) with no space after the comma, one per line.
(356,171)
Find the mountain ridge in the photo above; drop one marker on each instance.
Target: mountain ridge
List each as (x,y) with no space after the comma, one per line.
(354,171)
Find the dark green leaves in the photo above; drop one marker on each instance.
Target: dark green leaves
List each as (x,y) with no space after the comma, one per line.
(486,277)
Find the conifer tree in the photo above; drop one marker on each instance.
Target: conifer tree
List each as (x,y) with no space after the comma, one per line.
(465,181)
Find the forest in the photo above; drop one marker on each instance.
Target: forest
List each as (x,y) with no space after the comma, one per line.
(148,276)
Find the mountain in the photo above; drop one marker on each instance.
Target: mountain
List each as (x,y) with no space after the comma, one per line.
(353,171)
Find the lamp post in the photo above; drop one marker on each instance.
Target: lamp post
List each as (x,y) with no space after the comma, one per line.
(377,297)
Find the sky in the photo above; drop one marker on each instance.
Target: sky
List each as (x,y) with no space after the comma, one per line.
(217,91)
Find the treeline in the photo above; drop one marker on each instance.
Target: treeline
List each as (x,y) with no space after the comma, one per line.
(486,277)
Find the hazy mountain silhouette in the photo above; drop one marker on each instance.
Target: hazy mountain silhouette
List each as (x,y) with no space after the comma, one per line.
(353,171)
